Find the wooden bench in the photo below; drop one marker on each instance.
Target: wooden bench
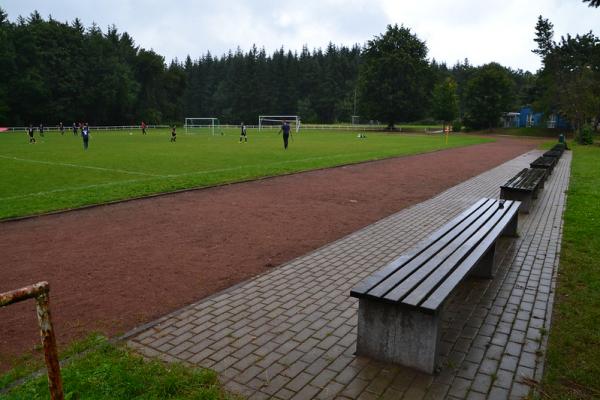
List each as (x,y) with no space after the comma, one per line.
(400,306)
(546,163)
(553,153)
(524,187)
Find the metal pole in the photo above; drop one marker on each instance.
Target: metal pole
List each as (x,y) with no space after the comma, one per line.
(41,292)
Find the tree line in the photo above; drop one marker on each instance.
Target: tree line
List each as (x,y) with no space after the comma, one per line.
(52,71)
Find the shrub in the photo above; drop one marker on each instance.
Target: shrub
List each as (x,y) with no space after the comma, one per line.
(457,125)
(585,135)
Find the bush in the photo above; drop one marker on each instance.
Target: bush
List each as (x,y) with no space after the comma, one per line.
(457,126)
(585,135)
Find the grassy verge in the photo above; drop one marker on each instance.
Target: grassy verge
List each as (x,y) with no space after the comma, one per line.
(573,357)
(27,364)
(113,372)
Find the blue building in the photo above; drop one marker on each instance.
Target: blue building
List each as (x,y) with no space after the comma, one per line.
(527,117)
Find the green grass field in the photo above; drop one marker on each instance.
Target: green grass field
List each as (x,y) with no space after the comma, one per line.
(56,173)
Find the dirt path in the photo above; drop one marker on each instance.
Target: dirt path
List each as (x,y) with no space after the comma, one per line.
(114,267)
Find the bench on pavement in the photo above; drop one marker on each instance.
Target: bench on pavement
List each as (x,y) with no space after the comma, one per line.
(546,163)
(400,306)
(524,187)
(559,147)
(553,153)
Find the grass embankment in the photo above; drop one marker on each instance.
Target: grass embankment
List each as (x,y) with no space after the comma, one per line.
(573,358)
(112,372)
(56,173)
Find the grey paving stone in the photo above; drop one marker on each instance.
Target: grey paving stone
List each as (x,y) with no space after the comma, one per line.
(519,391)
(355,388)
(481,383)
(498,393)
(296,325)
(460,387)
(299,381)
(330,391)
(475,396)
(504,379)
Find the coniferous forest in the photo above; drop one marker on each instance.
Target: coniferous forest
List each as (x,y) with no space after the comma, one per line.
(52,71)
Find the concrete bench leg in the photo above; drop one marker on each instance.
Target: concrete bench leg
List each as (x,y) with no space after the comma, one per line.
(511,228)
(485,266)
(393,334)
(524,198)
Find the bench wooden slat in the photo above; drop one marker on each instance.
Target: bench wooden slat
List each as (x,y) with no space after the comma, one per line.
(553,153)
(518,180)
(543,162)
(437,297)
(367,284)
(451,253)
(526,180)
(476,244)
(434,248)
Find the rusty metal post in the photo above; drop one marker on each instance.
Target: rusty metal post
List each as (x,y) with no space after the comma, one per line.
(41,292)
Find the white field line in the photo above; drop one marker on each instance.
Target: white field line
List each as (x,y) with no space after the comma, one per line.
(123,171)
(74,188)
(154,177)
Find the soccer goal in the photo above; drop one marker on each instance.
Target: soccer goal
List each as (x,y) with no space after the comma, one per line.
(201,125)
(275,121)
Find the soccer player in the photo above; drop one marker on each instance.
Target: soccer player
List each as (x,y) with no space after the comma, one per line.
(143,128)
(74,129)
(62,128)
(85,134)
(243,134)
(285,128)
(30,131)
(173,135)
(41,129)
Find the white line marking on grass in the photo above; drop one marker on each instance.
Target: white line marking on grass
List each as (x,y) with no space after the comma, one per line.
(75,188)
(154,177)
(123,171)
(204,172)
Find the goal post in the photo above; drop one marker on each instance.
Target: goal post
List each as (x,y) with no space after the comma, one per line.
(275,121)
(201,125)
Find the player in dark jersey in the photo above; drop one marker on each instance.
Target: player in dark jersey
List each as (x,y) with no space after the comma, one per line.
(30,132)
(243,133)
(61,127)
(74,129)
(285,128)
(41,129)
(85,134)
(173,134)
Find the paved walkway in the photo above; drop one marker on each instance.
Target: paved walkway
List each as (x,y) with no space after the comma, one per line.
(291,333)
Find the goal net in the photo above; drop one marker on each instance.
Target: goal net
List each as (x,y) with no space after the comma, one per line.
(275,121)
(201,125)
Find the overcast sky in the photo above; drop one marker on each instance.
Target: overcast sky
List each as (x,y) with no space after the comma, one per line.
(482,31)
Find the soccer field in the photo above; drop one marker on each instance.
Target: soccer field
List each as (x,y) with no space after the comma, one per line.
(56,173)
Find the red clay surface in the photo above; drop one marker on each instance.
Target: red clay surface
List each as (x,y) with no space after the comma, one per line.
(114,267)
